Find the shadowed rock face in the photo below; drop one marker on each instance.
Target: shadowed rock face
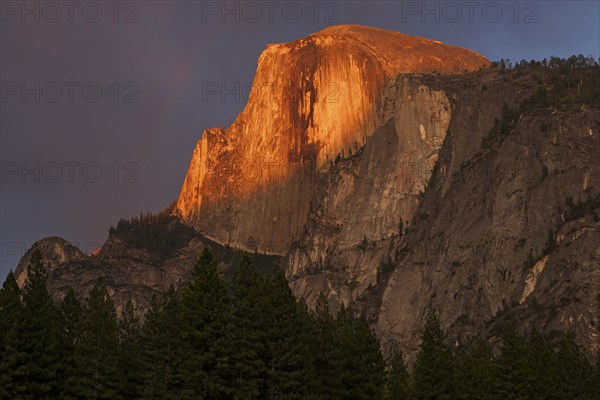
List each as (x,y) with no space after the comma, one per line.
(364,201)
(129,272)
(508,227)
(55,251)
(314,100)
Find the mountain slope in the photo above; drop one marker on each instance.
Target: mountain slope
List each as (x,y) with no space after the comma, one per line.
(507,231)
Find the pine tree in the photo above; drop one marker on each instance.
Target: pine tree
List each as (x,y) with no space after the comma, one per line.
(162,351)
(325,352)
(287,360)
(40,333)
(542,366)
(433,373)
(306,332)
(71,315)
(12,357)
(96,358)
(475,371)
(130,353)
(515,376)
(397,376)
(205,318)
(359,360)
(594,380)
(249,309)
(573,371)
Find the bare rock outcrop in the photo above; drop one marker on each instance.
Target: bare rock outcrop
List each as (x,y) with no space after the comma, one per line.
(312,101)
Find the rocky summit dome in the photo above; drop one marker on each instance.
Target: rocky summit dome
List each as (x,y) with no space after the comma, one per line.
(401,53)
(312,100)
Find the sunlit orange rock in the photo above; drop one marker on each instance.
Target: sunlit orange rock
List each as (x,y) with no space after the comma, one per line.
(312,101)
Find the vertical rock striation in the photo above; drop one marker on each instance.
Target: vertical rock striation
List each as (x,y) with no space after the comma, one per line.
(312,101)
(366,200)
(507,230)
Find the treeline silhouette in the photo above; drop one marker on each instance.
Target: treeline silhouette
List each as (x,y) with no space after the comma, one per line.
(557,85)
(251,339)
(563,81)
(573,62)
(161,234)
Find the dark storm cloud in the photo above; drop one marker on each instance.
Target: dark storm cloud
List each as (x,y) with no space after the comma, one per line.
(141,142)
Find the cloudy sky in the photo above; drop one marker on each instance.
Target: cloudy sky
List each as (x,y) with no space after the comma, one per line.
(102,104)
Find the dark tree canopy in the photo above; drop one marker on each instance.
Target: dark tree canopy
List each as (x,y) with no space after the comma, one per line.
(251,339)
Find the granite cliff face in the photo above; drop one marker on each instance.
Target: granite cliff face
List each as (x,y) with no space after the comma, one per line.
(365,200)
(345,191)
(508,229)
(312,100)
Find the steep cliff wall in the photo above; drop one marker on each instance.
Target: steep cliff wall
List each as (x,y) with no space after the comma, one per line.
(508,228)
(312,101)
(365,200)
